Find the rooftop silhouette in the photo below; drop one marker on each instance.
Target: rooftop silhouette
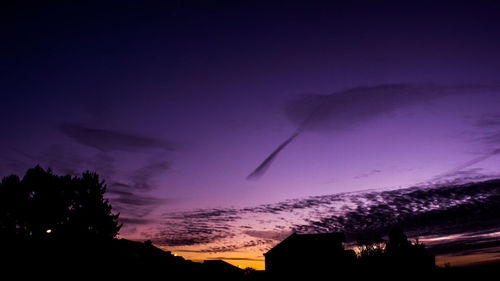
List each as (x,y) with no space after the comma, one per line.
(320,254)
(303,253)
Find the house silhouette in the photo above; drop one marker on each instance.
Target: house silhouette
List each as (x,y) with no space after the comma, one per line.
(220,268)
(310,254)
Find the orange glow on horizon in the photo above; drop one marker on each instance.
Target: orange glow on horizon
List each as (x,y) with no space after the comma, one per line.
(466,260)
(252,256)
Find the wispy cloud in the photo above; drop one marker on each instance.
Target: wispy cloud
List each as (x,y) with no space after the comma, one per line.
(236,247)
(130,195)
(491,129)
(129,198)
(126,189)
(489,121)
(457,170)
(420,211)
(268,235)
(429,211)
(370,173)
(111,140)
(465,244)
(261,169)
(348,108)
(489,138)
(135,208)
(197,227)
(141,178)
(135,221)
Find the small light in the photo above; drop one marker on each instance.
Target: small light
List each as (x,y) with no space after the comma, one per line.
(48,231)
(175,255)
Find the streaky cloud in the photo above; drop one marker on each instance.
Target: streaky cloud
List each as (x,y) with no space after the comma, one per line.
(135,221)
(422,211)
(130,198)
(489,121)
(468,164)
(262,168)
(111,140)
(491,124)
(268,235)
(134,208)
(345,109)
(142,177)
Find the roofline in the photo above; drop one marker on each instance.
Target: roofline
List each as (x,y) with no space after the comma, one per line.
(291,235)
(305,234)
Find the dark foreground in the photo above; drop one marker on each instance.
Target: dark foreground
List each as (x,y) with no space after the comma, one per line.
(123,259)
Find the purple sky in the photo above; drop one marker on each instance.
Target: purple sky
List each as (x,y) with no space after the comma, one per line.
(174,105)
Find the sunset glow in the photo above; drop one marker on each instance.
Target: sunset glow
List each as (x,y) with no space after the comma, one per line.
(222,128)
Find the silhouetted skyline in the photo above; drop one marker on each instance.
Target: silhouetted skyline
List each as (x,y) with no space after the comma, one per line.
(366,106)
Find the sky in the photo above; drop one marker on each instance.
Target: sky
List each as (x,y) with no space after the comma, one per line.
(222,127)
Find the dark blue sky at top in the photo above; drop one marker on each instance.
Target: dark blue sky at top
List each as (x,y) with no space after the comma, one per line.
(80,43)
(80,56)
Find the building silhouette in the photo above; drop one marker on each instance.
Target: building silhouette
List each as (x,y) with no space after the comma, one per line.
(221,269)
(310,254)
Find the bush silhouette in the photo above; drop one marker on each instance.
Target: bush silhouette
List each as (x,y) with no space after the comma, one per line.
(396,257)
(43,206)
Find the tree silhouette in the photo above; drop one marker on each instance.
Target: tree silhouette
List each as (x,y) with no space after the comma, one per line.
(371,252)
(43,206)
(405,255)
(396,257)
(398,242)
(371,246)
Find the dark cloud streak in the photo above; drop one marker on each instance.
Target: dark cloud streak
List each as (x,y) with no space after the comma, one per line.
(467,164)
(490,138)
(430,211)
(142,177)
(110,140)
(262,168)
(420,211)
(345,109)
(129,198)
